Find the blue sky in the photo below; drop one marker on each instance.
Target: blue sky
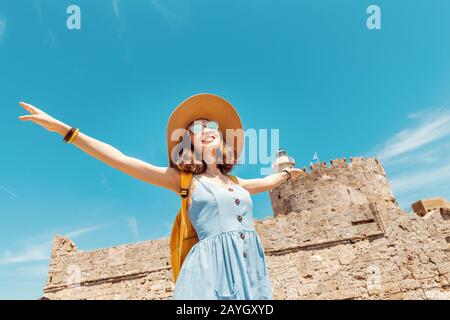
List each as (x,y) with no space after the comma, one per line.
(312,69)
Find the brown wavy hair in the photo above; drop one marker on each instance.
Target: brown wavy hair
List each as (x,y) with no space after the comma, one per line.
(189,158)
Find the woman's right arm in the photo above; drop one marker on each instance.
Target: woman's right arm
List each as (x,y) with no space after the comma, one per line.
(166,177)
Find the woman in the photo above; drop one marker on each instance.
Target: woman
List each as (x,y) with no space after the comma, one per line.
(228,261)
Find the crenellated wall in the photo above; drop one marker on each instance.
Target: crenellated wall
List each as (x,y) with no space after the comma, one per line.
(338,233)
(341,183)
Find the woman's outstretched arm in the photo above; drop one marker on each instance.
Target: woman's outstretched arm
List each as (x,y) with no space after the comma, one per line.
(166,177)
(269,182)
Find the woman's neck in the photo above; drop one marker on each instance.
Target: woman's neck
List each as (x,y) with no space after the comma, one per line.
(212,171)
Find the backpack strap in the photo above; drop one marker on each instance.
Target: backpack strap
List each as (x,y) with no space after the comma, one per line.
(185,182)
(233,178)
(186,178)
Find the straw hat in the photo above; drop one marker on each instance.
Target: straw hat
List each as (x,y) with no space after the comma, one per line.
(208,106)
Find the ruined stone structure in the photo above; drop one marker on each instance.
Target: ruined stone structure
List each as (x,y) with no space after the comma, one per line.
(421,207)
(337,233)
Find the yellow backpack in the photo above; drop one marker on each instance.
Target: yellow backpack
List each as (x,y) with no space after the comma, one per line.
(183,235)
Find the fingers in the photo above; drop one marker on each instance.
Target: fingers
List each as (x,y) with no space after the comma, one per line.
(30,108)
(26,107)
(26,118)
(298,172)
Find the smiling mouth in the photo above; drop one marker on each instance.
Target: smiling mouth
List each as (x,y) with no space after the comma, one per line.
(208,140)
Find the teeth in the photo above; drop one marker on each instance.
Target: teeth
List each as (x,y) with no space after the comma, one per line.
(209,139)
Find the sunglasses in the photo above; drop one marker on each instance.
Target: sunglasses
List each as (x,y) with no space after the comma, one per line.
(197,127)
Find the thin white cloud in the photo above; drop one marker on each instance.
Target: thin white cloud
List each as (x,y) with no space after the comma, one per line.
(410,181)
(37,6)
(49,38)
(417,159)
(432,154)
(40,251)
(115,5)
(119,18)
(176,14)
(433,126)
(9,191)
(2,28)
(133,225)
(25,273)
(79,232)
(39,270)
(103,181)
(31,253)
(163,10)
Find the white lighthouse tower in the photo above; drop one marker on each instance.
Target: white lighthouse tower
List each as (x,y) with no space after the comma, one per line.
(282,161)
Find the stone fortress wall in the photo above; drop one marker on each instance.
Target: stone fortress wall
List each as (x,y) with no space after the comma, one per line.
(337,233)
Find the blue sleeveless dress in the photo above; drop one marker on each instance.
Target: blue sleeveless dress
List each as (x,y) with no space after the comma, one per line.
(228,262)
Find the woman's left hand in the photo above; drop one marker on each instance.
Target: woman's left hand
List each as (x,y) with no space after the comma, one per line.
(296,172)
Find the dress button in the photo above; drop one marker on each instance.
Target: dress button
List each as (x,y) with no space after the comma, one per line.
(239,218)
(237,201)
(230,189)
(245,254)
(242,235)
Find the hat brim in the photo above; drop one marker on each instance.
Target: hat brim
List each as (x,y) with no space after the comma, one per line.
(211,107)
